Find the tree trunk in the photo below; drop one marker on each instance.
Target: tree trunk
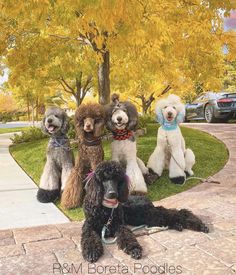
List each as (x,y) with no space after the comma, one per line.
(28,109)
(37,109)
(104,79)
(32,113)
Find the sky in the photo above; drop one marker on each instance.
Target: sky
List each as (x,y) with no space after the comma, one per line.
(229,24)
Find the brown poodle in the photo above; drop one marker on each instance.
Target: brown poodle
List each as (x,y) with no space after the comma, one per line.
(89,124)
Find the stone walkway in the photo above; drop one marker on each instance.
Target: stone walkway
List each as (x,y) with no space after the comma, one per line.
(44,249)
(18,204)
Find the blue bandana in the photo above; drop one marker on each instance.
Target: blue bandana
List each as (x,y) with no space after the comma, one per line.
(169,126)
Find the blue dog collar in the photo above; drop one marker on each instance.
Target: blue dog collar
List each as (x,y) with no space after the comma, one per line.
(169,126)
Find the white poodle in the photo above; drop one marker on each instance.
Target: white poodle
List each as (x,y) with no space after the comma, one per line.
(121,120)
(170,152)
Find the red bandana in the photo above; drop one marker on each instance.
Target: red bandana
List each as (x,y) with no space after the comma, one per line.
(122,134)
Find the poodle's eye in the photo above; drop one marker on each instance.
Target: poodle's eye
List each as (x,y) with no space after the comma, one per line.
(56,116)
(165,107)
(174,107)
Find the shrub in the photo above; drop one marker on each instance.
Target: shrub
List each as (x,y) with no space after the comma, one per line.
(146,119)
(31,134)
(71,133)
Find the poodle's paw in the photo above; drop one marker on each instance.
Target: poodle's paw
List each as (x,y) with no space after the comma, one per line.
(136,253)
(92,255)
(204,228)
(46,196)
(178,227)
(151,177)
(189,173)
(178,180)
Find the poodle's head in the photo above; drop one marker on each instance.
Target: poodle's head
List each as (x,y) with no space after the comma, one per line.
(90,119)
(170,110)
(108,185)
(121,115)
(55,122)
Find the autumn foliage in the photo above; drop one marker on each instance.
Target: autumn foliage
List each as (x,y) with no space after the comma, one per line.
(137,48)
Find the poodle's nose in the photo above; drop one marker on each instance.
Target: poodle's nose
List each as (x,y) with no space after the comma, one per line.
(169,114)
(119,118)
(112,195)
(49,120)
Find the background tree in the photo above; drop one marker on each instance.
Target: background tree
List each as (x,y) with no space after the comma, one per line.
(159,43)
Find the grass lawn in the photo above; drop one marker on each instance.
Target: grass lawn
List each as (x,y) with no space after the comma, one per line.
(11,130)
(211,155)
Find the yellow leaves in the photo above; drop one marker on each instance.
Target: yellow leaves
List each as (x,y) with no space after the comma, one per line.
(7,103)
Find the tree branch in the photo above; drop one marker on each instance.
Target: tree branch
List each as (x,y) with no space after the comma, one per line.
(64,87)
(67,85)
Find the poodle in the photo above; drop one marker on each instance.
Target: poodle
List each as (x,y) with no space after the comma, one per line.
(170,151)
(108,211)
(60,159)
(121,120)
(89,124)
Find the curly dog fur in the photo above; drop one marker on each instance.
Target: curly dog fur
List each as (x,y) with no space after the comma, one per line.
(89,124)
(60,159)
(110,184)
(171,152)
(122,117)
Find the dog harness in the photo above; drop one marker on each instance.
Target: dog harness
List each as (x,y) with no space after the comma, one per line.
(122,134)
(60,142)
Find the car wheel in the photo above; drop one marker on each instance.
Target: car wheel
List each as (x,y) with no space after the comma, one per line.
(209,116)
(186,119)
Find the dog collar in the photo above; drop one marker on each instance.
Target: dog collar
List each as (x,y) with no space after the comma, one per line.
(122,134)
(169,126)
(92,142)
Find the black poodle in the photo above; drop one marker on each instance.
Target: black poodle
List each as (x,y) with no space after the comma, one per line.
(107,203)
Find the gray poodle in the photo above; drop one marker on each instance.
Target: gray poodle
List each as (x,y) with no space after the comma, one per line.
(60,160)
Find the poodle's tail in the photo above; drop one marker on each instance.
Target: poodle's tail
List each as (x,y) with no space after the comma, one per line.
(73,193)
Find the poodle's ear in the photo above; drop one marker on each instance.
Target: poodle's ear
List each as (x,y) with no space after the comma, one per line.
(79,124)
(108,115)
(180,117)
(181,113)
(98,127)
(43,127)
(65,124)
(94,193)
(123,189)
(133,116)
(159,116)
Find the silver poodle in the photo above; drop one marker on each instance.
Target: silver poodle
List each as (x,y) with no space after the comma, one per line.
(60,159)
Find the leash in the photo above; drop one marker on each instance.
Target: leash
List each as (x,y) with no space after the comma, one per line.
(208,180)
(150,230)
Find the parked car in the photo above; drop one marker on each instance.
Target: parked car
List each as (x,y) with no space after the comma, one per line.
(213,107)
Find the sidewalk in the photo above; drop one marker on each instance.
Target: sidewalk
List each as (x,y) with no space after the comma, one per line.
(18,204)
(40,249)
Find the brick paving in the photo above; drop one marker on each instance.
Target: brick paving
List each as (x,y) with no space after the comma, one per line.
(37,250)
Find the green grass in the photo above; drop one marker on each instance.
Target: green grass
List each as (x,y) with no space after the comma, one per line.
(211,156)
(11,130)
